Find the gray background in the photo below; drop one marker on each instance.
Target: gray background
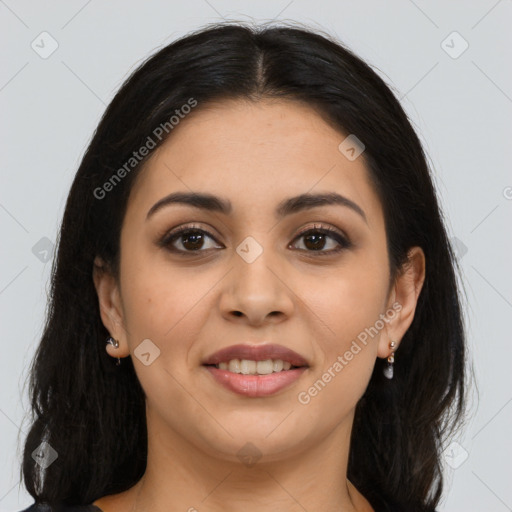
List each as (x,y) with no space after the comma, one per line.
(461,104)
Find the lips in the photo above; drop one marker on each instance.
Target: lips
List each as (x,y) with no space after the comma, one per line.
(256,353)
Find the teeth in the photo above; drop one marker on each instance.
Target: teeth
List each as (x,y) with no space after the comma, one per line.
(277,365)
(265,367)
(234,366)
(248,367)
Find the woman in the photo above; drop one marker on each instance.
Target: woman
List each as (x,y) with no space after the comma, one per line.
(253,234)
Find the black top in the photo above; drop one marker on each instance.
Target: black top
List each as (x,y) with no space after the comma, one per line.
(378,504)
(63,508)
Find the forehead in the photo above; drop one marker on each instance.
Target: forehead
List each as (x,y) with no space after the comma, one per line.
(254,154)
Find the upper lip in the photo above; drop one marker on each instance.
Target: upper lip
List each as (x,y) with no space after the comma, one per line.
(256,353)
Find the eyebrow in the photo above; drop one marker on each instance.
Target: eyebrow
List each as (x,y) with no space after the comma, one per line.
(289,206)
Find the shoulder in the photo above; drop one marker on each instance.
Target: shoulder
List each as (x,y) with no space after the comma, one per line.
(41,507)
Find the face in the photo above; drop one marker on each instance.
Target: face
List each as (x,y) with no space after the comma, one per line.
(313,279)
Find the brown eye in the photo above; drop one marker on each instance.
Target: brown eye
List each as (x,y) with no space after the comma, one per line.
(188,239)
(317,239)
(192,240)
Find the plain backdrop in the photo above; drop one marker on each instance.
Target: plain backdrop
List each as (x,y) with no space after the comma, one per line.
(448,62)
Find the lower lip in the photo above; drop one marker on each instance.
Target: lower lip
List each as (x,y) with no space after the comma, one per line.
(255,385)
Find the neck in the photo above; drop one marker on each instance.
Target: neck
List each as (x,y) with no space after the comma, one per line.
(182,476)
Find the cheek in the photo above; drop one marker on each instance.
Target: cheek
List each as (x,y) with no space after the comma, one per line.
(165,304)
(350,300)
(168,307)
(347,310)
(346,356)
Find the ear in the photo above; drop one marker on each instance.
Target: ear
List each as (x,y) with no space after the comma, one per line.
(403,300)
(111,309)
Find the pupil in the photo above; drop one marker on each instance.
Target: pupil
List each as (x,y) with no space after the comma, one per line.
(195,239)
(318,241)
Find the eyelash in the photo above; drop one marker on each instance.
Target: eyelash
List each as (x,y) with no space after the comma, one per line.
(344,243)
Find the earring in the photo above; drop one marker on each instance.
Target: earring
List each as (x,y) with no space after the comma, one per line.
(115,344)
(388,369)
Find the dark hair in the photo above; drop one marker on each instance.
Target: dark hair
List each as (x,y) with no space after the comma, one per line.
(80,399)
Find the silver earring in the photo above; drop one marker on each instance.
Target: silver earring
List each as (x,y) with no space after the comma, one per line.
(115,344)
(388,369)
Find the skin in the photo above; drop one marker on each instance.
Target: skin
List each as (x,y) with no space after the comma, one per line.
(255,155)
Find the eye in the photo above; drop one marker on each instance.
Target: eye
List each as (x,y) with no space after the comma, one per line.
(187,239)
(316,238)
(190,239)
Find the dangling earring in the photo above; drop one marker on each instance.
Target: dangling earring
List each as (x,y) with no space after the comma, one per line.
(388,369)
(115,344)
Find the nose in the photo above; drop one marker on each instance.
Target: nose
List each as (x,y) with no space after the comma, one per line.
(257,292)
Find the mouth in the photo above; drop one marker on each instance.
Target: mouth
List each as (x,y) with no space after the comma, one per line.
(255,385)
(252,367)
(256,370)
(248,355)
